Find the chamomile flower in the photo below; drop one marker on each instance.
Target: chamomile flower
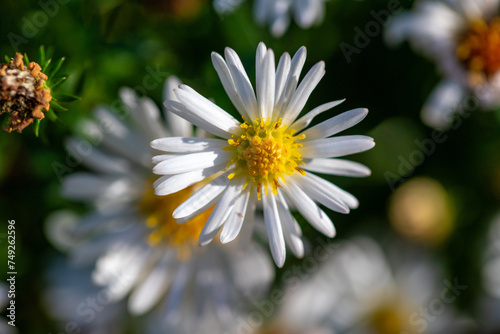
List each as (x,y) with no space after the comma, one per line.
(135,246)
(268,157)
(277,13)
(463,38)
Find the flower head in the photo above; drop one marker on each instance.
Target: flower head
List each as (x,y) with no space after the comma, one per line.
(130,239)
(268,157)
(23,93)
(463,38)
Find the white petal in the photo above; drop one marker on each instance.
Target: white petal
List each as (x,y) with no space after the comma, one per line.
(303,92)
(274,229)
(308,12)
(120,139)
(96,159)
(152,288)
(282,75)
(336,124)
(259,60)
(228,83)
(175,183)
(298,61)
(177,292)
(307,208)
(181,110)
(178,126)
(203,198)
(305,120)
(337,167)
(322,195)
(266,86)
(205,109)
(291,229)
(442,104)
(188,144)
(336,146)
(235,219)
(242,82)
(329,187)
(220,213)
(190,162)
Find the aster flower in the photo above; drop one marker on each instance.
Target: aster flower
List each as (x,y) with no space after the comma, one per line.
(136,247)
(363,287)
(277,13)
(27,91)
(265,157)
(463,38)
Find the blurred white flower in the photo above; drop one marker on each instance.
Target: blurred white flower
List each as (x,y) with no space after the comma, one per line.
(139,250)
(361,289)
(463,38)
(265,157)
(278,13)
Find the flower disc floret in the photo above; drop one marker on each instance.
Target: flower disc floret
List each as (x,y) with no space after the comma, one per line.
(264,152)
(479,49)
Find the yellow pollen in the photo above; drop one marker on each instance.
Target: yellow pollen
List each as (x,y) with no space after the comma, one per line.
(264,152)
(164,229)
(479,49)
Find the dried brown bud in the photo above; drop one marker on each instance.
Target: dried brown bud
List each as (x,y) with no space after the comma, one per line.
(22,93)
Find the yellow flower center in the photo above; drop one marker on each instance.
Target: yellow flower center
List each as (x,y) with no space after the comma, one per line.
(164,228)
(264,152)
(479,49)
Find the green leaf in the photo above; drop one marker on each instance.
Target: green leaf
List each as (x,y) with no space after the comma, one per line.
(57,66)
(7,59)
(36,127)
(57,82)
(46,65)
(56,106)
(51,114)
(66,97)
(41,55)
(26,59)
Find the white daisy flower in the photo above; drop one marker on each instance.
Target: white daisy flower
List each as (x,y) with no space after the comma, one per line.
(263,158)
(277,13)
(463,38)
(362,289)
(137,248)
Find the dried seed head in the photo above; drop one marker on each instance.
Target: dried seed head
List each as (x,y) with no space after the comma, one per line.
(23,93)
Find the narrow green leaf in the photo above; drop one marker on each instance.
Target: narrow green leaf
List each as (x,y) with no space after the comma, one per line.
(57,66)
(26,59)
(41,56)
(56,106)
(66,97)
(7,59)
(56,82)
(51,114)
(36,127)
(46,65)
